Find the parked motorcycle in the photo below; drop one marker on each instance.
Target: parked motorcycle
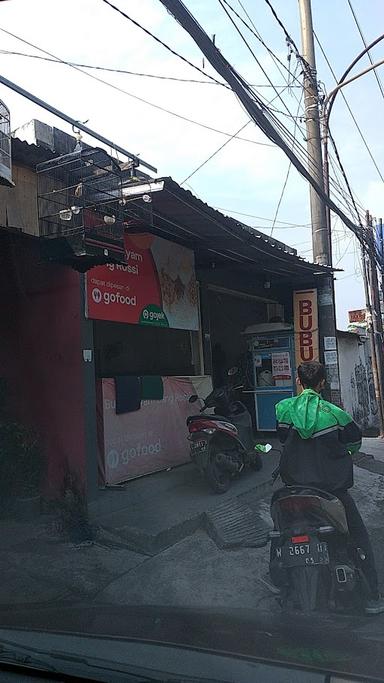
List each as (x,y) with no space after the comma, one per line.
(222,443)
(312,560)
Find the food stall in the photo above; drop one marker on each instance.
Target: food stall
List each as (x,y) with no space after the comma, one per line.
(148,352)
(271,346)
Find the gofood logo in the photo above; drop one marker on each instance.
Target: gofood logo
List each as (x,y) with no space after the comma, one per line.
(112,298)
(96,295)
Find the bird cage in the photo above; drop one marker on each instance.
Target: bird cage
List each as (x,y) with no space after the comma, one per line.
(80,201)
(5,147)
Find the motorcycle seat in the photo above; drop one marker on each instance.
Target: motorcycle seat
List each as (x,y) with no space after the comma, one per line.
(330,507)
(203,416)
(299,490)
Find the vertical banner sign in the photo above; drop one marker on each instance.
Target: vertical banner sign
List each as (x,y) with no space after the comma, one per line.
(306,326)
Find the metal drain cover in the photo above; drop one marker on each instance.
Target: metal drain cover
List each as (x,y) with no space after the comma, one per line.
(234,524)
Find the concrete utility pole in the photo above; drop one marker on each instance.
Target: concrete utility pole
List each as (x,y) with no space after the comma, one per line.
(321,237)
(377,323)
(380,239)
(371,333)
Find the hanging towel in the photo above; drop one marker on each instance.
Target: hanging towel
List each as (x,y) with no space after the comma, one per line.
(128,394)
(152,388)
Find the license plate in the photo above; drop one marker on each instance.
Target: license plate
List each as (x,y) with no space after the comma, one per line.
(199,445)
(299,554)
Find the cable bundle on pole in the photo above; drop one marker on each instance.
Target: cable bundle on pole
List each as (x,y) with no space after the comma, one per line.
(252,104)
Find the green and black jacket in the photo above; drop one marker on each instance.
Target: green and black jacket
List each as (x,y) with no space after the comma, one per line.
(318,439)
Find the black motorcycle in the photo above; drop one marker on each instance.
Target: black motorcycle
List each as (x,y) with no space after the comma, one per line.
(312,559)
(222,442)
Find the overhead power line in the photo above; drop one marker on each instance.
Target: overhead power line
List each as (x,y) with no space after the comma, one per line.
(136,97)
(286,178)
(262,218)
(278,62)
(342,93)
(110,69)
(215,152)
(132,73)
(288,38)
(379,83)
(250,102)
(211,156)
(243,38)
(161,42)
(256,33)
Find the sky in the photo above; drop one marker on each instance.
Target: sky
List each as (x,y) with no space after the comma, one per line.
(247,176)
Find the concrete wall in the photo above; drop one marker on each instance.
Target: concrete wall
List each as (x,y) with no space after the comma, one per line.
(40,354)
(357,388)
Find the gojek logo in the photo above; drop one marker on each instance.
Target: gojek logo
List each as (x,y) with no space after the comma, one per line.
(153,315)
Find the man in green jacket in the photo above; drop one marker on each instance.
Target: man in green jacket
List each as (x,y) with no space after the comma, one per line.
(319,439)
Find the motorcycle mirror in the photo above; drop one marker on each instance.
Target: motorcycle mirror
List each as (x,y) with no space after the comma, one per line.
(193,398)
(233,371)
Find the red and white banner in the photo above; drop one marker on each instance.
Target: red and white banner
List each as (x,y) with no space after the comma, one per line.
(152,438)
(358,316)
(157,286)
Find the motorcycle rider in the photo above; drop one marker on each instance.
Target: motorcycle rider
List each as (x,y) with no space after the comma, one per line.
(319,439)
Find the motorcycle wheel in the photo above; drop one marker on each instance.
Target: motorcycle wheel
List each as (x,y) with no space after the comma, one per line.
(304,584)
(256,462)
(217,478)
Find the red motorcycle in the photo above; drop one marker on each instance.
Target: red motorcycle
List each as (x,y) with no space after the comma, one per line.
(222,442)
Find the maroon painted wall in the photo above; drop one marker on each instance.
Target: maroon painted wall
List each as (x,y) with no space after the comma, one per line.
(40,353)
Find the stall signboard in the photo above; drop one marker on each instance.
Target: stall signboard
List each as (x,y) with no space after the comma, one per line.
(306,326)
(358,316)
(152,438)
(157,286)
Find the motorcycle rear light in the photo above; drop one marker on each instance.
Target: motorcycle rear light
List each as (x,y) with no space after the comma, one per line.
(300,539)
(202,426)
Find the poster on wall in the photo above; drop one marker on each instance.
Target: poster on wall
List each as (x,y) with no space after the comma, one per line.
(157,286)
(151,438)
(306,326)
(281,365)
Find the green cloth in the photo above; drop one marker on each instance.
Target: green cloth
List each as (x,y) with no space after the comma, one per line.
(310,415)
(152,388)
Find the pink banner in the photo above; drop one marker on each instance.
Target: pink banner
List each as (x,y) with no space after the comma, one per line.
(152,438)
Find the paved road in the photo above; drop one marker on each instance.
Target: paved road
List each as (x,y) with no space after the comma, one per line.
(374,447)
(51,584)
(195,572)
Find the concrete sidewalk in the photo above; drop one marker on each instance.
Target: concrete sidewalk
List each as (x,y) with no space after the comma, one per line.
(371,455)
(156,511)
(373,446)
(147,518)
(152,513)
